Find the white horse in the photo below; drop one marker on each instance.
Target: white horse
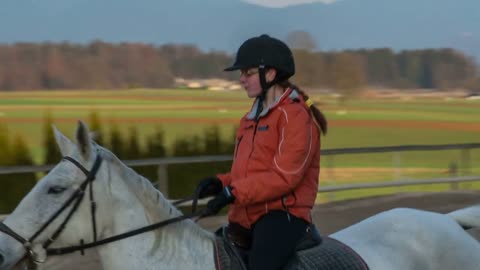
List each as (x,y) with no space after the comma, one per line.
(397,239)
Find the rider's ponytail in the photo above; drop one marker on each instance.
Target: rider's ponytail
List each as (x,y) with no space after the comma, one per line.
(320,119)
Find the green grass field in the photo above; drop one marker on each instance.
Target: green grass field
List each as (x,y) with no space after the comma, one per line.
(184,113)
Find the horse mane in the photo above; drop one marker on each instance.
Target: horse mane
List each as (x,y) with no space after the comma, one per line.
(157,207)
(143,189)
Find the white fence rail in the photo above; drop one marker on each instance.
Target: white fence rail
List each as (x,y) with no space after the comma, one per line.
(163,163)
(451,180)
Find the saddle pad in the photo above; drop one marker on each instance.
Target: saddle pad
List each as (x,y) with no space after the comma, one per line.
(330,255)
(226,257)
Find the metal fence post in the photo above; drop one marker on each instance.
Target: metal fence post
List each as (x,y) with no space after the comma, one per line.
(331,175)
(465,161)
(397,171)
(162,180)
(397,164)
(453,172)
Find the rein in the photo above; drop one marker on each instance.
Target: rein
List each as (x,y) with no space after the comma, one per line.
(77,198)
(81,247)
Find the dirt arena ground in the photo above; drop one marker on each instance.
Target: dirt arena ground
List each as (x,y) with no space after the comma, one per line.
(328,217)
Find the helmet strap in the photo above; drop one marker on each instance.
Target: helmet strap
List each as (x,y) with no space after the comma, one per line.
(263,80)
(261,98)
(265,86)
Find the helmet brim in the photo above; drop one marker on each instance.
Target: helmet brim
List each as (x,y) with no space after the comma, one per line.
(233,68)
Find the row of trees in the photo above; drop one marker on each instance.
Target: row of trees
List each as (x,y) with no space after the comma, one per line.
(183,177)
(349,70)
(14,152)
(106,65)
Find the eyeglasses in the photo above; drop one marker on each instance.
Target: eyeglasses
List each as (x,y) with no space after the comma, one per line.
(248,72)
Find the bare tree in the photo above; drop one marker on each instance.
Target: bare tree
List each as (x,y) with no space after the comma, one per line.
(348,73)
(301,40)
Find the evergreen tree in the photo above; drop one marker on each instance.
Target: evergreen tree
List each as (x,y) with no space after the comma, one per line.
(117,145)
(181,147)
(5,146)
(95,126)
(184,177)
(14,187)
(22,182)
(156,144)
(155,148)
(133,150)
(52,153)
(5,160)
(20,152)
(213,143)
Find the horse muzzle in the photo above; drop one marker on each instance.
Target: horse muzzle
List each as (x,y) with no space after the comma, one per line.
(11,253)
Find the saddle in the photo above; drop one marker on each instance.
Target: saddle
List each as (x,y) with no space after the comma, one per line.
(313,252)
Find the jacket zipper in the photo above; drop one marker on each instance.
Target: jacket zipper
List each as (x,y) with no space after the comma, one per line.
(253,138)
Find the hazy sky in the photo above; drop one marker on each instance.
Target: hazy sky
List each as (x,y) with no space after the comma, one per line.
(224,24)
(284,3)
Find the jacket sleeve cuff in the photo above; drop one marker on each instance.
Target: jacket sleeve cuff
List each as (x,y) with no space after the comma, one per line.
(224,178)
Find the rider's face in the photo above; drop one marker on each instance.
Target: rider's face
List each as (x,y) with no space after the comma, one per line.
(250,80)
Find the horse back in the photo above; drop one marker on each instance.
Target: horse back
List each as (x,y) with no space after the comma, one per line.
(312,253)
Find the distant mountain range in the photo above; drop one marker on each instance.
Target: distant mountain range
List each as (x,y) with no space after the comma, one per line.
(224,24)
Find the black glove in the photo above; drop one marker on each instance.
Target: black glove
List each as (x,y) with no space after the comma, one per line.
(209,186)
(223,199)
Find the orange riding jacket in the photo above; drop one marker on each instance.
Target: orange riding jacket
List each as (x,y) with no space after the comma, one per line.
(276,162)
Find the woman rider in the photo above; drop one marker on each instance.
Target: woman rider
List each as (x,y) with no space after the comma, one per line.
(273,181)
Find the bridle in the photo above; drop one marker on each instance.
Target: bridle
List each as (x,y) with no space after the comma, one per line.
(76,198)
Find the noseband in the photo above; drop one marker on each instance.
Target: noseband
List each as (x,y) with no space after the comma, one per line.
(76,198)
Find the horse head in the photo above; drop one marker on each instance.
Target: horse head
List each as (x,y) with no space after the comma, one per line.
(58,208)
(91,195)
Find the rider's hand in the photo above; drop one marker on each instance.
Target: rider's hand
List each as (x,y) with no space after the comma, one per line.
(224,198)
(209,186)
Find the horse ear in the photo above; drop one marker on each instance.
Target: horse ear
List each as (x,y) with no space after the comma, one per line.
(83,140)
(63,142)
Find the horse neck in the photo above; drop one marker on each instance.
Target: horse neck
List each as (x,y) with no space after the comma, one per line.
(174,247)
(182,245)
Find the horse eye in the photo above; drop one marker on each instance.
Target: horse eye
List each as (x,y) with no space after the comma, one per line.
(56,190)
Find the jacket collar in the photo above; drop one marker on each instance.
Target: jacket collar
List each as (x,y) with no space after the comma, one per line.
(289,94)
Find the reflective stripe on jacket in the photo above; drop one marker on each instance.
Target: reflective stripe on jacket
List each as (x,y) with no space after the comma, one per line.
(276,162)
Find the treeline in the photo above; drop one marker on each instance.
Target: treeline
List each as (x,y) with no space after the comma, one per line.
(350,70)
(182,177)
(101,65)
(14,152)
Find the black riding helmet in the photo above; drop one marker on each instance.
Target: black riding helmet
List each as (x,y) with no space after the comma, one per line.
(265,52)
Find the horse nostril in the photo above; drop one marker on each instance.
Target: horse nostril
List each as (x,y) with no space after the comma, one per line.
(1,259)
